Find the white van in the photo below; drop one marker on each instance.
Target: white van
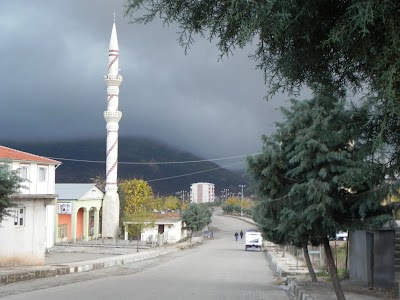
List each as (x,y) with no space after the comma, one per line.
(253,240)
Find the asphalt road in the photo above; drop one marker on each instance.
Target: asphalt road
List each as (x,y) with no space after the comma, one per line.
(218,269)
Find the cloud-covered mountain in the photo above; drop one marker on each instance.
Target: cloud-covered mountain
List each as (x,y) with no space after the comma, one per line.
(84,159)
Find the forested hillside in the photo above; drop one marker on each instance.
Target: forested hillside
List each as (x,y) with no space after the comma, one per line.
(91,156)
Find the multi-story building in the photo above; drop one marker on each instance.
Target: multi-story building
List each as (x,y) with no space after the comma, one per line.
(202,192)
(29,229)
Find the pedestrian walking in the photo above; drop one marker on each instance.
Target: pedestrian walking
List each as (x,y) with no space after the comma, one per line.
(241,234)
(236,235)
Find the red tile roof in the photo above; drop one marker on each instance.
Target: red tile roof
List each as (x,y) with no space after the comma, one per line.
(167,215)
(8,153)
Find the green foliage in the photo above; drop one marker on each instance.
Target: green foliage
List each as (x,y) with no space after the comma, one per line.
(140,219)
(10,182)
(315,176)
(217,202)
(196,217)
(338,43)
(349,45)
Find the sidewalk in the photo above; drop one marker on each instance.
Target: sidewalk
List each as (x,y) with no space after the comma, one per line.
(73,259)
(292,273)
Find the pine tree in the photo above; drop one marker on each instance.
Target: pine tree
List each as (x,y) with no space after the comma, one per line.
(317,178)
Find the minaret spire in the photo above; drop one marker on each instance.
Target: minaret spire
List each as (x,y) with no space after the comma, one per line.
(110,218)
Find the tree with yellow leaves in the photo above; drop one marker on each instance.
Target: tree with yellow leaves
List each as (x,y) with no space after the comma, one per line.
(136,194)
(232,204)
(172,202)
(138,201)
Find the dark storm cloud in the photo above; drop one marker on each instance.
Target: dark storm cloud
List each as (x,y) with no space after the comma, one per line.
(54,56)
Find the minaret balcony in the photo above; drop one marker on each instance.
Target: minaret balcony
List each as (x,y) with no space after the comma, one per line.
(112,116)
(113,80)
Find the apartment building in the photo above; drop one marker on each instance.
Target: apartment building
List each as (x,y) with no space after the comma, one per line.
(202,192)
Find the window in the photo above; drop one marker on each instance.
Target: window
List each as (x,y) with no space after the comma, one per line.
(19,216)
(23,173)
(62,231)
(42,174)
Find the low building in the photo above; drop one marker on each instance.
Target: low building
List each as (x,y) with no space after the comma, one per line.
(78,211)
(165,228)
(29,231)
(202,192)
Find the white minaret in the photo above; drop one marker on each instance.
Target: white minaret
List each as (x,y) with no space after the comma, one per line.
(110,218)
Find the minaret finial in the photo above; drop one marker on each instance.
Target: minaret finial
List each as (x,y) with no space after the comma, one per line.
(114,17)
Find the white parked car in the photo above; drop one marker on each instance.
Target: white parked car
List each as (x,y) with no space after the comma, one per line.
(342,235)
(253,240)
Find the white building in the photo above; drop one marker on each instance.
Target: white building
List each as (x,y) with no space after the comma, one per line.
(29,231)
(166,228)
(202,192)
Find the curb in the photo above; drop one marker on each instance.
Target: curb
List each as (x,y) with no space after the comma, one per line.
(293,287)
(28,275)
(276,270)
(239,217)
(69,268)
(95,264)
(297,291)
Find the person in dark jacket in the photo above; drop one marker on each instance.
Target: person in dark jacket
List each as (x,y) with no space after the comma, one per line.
(241,234)
(236,235)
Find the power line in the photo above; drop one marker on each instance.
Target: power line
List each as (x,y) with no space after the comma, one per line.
(171,162)
(189,174)
(155,163)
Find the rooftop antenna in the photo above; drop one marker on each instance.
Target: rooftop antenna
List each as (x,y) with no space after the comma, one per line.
(114,17)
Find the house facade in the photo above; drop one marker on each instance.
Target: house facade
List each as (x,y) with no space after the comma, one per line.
(78,212)
(165,228)
(202,192)
(24,238)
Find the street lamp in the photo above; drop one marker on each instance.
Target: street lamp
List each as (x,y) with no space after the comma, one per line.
(241,200)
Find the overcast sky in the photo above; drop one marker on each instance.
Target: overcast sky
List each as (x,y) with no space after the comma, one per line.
(54,58)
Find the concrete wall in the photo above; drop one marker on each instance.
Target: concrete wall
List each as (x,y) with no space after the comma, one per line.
(384,258)
(50,225)
(24,245)
(371,257)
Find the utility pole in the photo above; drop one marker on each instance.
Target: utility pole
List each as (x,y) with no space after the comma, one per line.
(241,200)
(183,197)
